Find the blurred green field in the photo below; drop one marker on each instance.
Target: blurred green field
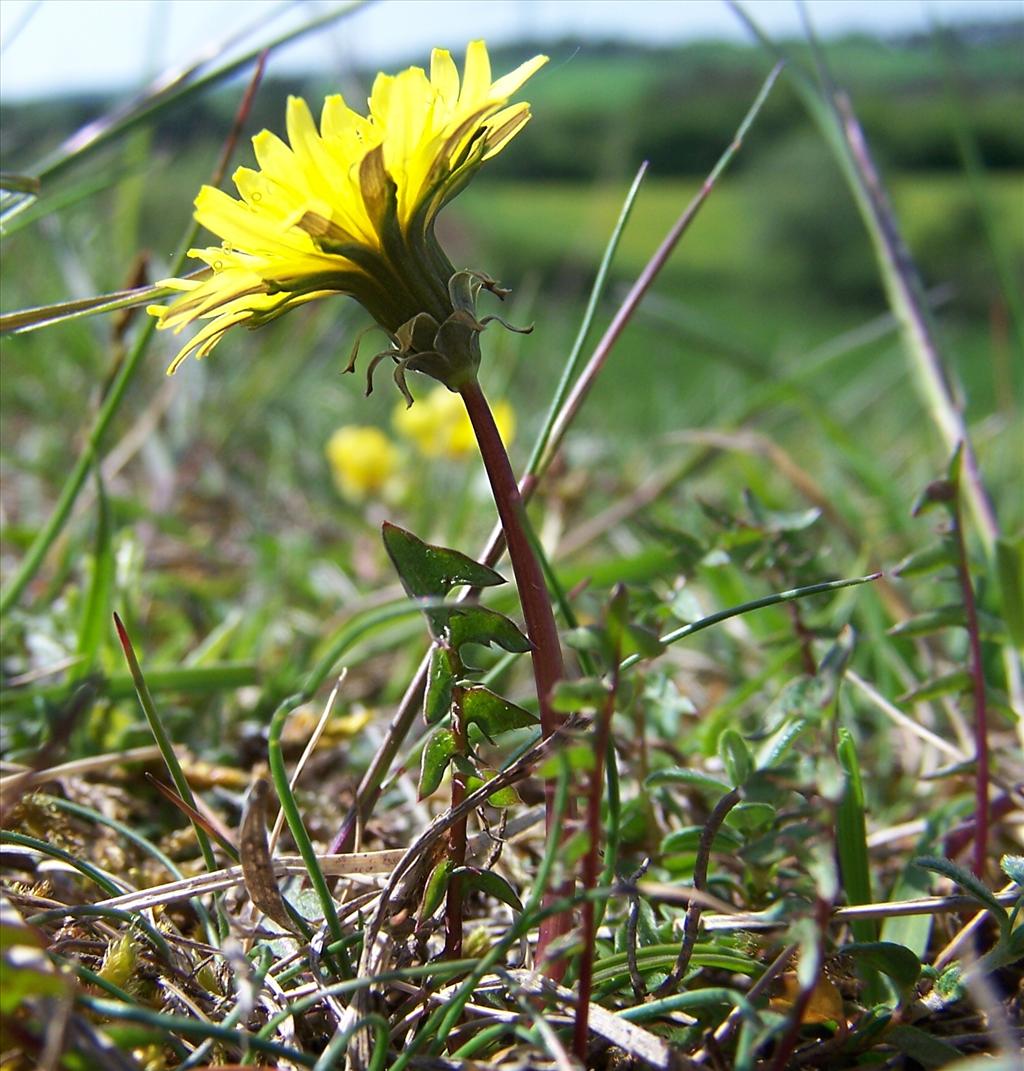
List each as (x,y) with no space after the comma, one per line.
(733,319)
(224,464)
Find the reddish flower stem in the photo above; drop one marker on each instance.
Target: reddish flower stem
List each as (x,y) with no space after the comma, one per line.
(533,596)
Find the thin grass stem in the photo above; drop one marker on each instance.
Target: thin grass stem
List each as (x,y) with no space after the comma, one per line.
(163,740)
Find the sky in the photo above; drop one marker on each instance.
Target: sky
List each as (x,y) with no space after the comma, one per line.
(59,46)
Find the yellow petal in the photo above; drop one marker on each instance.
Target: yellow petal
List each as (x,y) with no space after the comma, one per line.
(476,79)
(509,83)
(444,76)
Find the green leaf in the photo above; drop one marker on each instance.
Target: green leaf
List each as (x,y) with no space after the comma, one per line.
(1010,570)
(895,961)
(687,839)
(95,619)
(493,714)
(948,684)
(836,659)
(804,696)
(933,557)
(437,697)
(490,884)
(736,757)
(968,882)
(926,1048)
(162,738)
(427,570)
(570,696)
(433,892)
(478,624)
(851,837)
(931,621)
(588,639)
(949,985)
(437,754)
(641,641)
(646,923)
(696,778)
(503,797)
(751,817)
(579,758)
(775,748)
(29,974)
(938,494)
(913,931)
(616,618)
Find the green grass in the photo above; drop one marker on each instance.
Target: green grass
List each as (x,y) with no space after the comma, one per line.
(762,386)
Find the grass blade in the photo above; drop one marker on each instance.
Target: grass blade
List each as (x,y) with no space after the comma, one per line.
(162,739)
(96,609)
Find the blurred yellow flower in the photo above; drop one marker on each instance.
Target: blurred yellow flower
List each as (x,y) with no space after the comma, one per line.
(439,426)
(363,461)
(350,209)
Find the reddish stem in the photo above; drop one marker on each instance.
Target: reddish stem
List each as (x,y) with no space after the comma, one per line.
(533,596)
(590,865)
(977,672)
(456,839)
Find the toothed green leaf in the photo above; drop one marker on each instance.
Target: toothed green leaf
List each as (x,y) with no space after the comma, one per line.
(478,624)
(427,570)
(493,714)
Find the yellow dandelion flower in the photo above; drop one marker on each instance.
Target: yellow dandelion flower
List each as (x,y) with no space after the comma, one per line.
(363,461)
(439,425)
(350,208)
(461,438)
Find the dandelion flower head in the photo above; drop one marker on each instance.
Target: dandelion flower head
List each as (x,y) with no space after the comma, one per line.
(349,208)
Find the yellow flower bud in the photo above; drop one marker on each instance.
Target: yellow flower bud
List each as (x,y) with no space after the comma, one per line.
(362,459)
